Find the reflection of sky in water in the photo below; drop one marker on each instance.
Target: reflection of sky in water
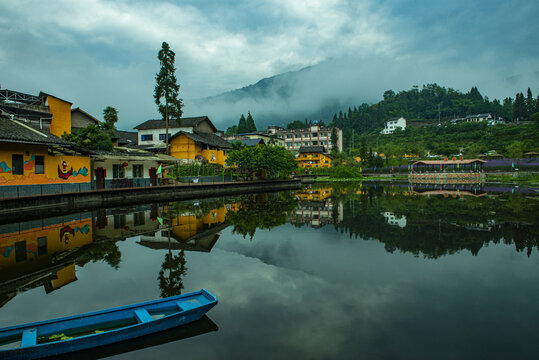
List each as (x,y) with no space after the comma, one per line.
(317,293)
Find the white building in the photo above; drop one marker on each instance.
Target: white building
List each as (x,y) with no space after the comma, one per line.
(391,219)
(393,124)
(153,132)
(314,135)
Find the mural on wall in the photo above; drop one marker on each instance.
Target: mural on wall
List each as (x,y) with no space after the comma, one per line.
(65,173)
(67,233)
(4,168)
(29,243)
(55,170)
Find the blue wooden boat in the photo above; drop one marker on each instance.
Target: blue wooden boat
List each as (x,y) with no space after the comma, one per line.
(86,331)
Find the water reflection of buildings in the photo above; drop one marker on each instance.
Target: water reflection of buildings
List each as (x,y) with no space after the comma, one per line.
(42,252)
(392,219)
(45,252)
(190,230)
(316,208)
(119,224)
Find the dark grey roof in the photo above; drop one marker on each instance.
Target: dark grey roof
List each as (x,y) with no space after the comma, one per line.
(17,132)
(205,138)
(186,122)
(127,137)
(249,142)
(311,149)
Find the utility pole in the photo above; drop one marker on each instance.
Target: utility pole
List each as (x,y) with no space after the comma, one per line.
(439,115)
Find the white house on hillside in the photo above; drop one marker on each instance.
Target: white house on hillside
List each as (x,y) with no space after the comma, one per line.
(392,124)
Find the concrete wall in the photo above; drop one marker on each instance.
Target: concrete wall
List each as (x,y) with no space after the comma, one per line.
(12,209)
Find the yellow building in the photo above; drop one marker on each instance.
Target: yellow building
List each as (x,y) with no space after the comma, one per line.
(198,145)
(313,157)
(61,114)
(33,163)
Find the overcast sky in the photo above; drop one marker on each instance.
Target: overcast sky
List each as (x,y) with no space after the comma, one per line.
(97,53)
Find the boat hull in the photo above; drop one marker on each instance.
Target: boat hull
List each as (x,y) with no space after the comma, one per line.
(190,307)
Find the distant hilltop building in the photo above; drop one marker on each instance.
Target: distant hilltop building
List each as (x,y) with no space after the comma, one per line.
(393,124)
(314,135)
(488,117)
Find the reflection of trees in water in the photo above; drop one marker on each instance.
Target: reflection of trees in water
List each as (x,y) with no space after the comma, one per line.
(438,226)
(261,211)
(171,275)
(106,251)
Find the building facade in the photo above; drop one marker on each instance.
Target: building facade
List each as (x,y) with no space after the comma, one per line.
(313,157)
(314,135)
(393,124)
(34,162)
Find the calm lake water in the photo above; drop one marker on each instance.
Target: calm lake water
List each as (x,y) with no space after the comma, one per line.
(365,271)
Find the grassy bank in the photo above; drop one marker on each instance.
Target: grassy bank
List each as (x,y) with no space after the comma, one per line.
(519,178)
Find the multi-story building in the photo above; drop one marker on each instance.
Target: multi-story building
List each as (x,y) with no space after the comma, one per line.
(313,156)
(314,135)
(393,124)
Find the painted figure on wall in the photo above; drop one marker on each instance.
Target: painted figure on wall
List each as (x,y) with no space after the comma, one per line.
(67,233)
(63,172)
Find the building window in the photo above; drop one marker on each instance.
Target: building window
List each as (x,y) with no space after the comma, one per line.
(20,250)
(314,134)
(162,136)
(297,135)
(138,171)
(315,142)
(148,137)
(40,164)
(119,221)
(41,246)
(138,218)
(17,165)
(118,171)
(306,143)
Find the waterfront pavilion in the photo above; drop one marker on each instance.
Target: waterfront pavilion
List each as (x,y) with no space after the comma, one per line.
(471,165)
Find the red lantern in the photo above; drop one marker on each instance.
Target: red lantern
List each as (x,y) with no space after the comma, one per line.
(124,164)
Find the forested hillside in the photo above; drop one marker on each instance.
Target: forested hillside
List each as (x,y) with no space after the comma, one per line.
(428,113)
(430,103)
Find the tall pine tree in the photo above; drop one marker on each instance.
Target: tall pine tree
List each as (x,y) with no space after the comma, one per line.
(242,125)
(167,89)
(250,122)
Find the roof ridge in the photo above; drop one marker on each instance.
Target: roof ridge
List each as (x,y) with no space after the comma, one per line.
(30,128)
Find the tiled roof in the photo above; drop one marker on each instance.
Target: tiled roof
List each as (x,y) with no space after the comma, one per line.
(249,142)
(127,137)
(311,149)
(18,132)
(205,138)
(160,124)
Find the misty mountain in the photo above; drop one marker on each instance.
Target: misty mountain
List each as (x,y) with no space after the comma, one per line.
(319,91)
(275,100)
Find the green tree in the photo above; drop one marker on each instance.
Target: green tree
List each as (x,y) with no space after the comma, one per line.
(93,137)
(274,160)
(232,130)
(519,108)
(530,102)
(250,122)
(110,115)
(334,146)
(514,150)
(167,89)
(242,125)
(175,266)
(296,124)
